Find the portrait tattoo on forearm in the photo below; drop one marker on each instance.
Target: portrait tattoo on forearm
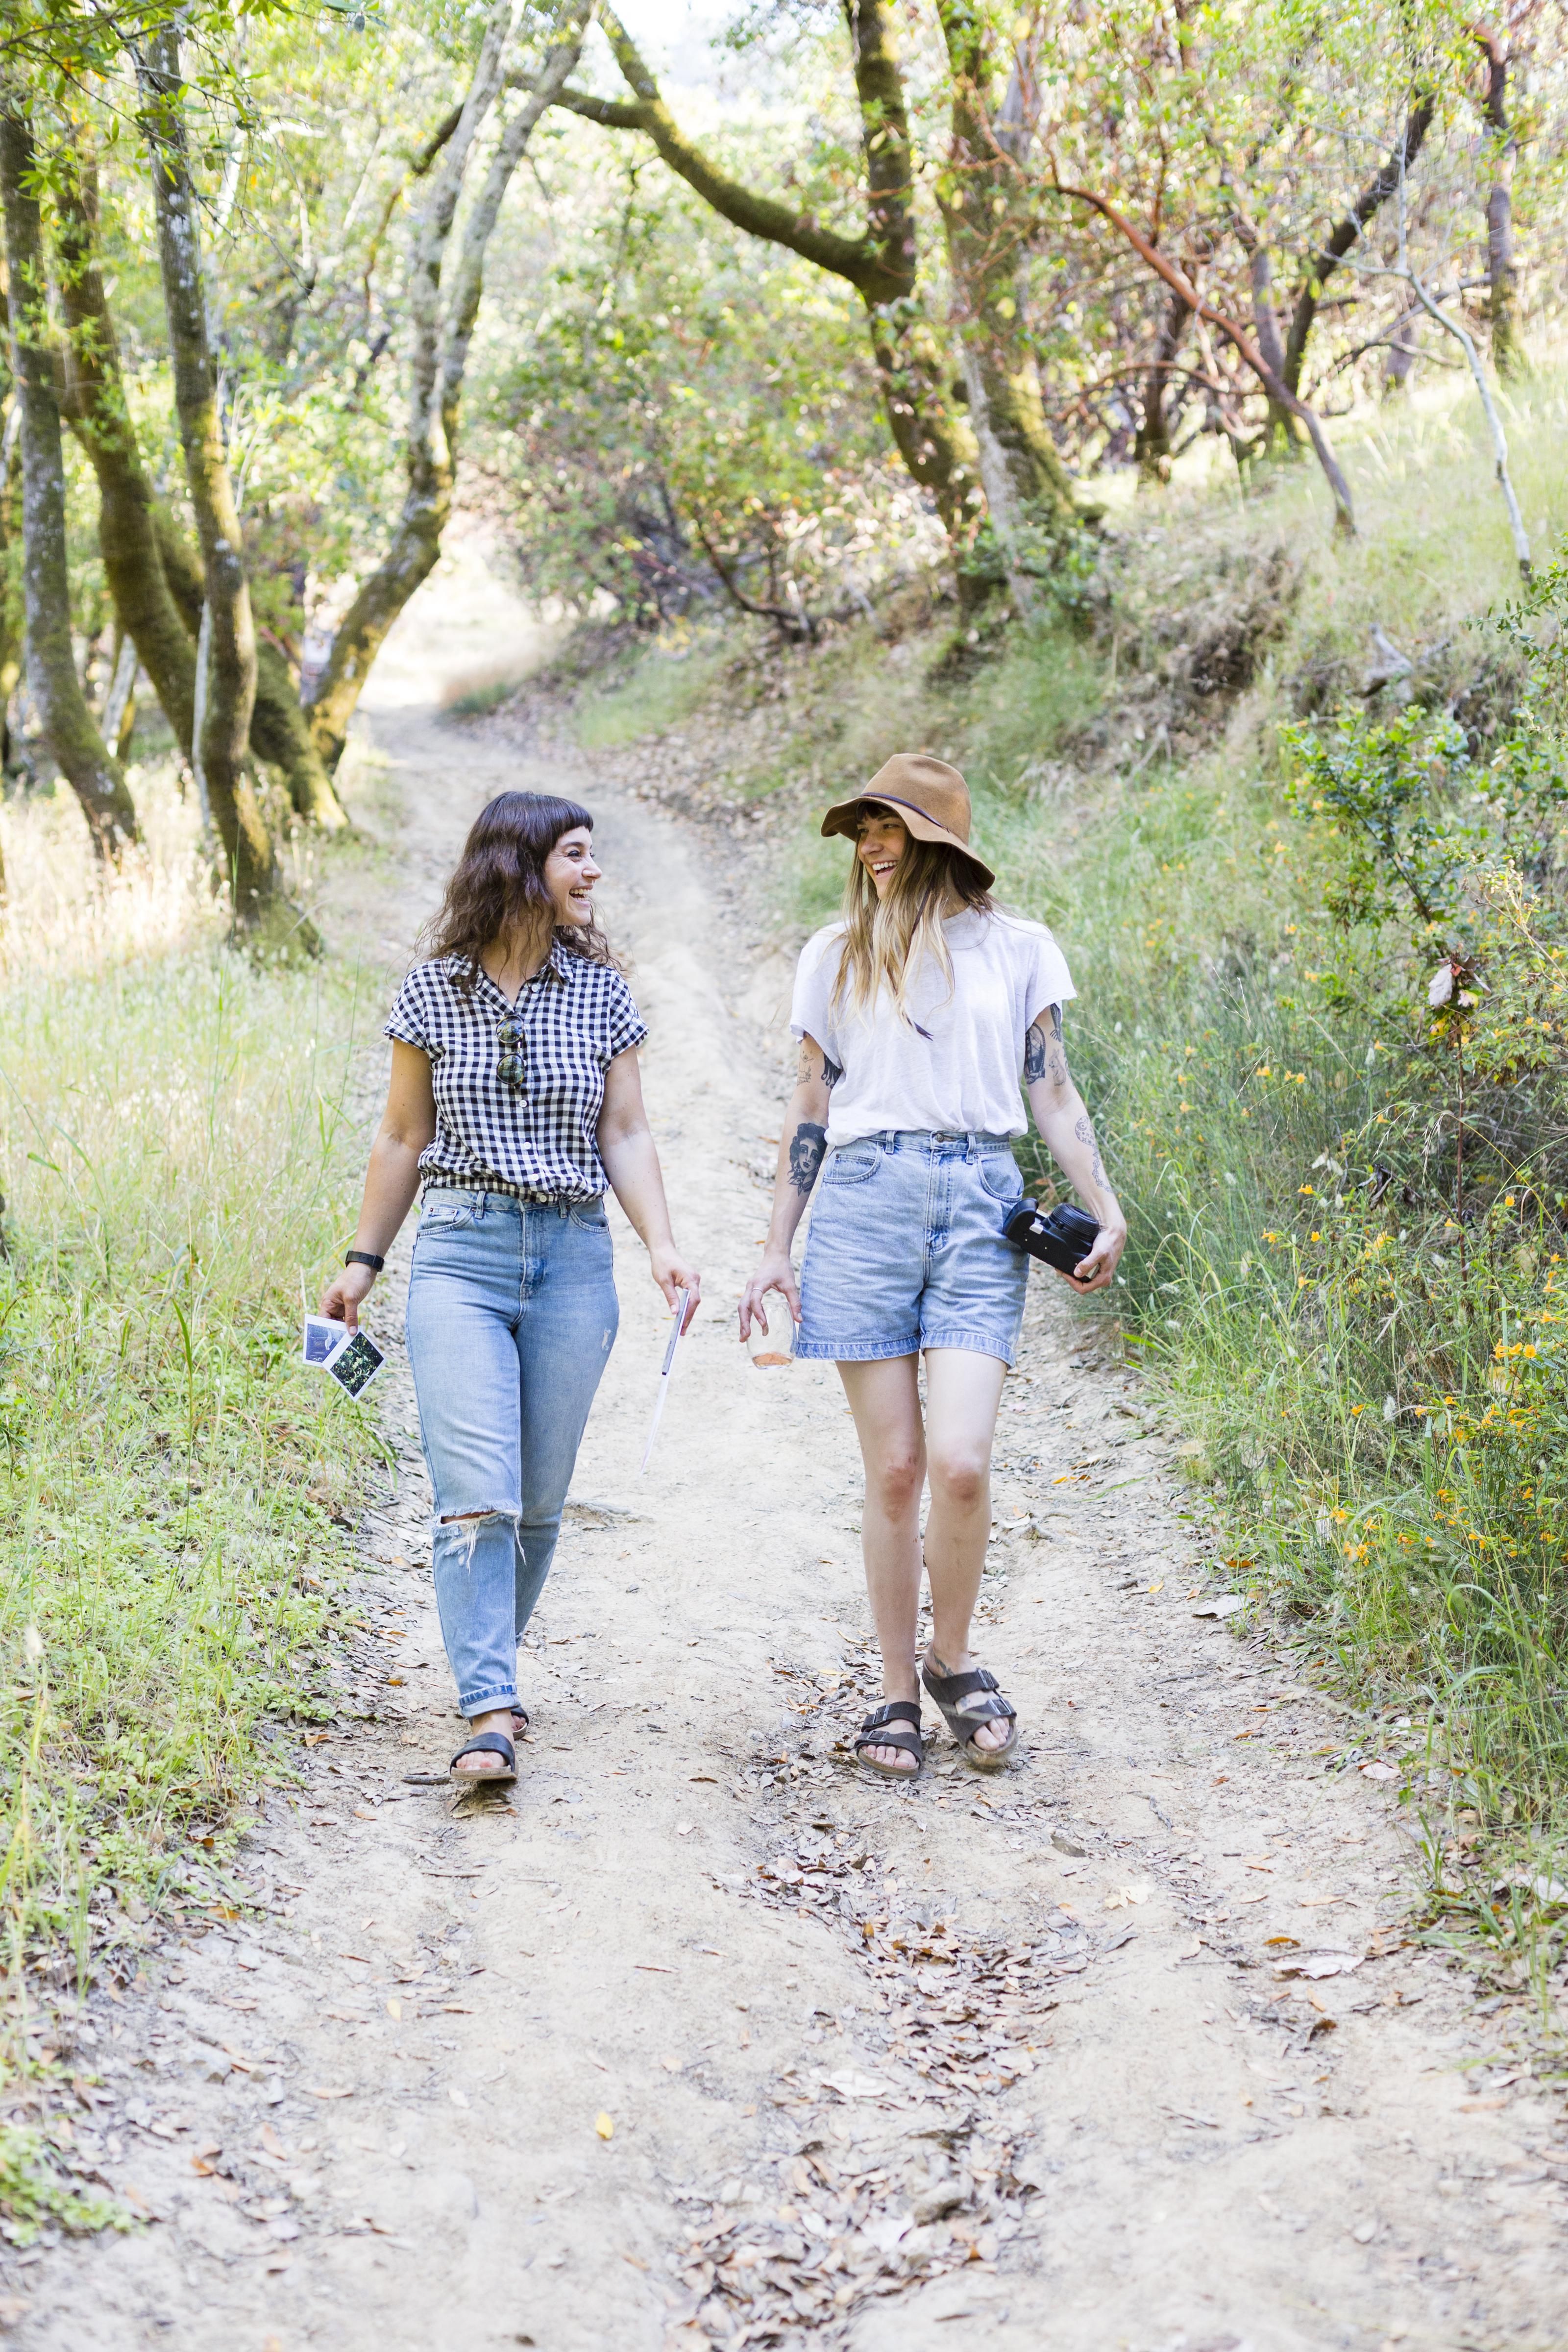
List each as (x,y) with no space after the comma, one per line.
(807,1148)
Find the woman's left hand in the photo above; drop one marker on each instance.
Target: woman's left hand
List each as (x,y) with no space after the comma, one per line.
(1096,1271)
(673,1275)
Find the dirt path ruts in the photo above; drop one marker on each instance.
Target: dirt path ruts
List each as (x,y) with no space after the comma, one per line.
(701,2039)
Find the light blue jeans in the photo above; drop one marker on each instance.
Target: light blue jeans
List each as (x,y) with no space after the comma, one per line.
(512,1317)
(906,1249)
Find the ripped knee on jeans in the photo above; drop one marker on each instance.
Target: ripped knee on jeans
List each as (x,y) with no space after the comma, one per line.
(471,1522)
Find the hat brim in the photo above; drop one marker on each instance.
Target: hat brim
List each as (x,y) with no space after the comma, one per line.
(845,817)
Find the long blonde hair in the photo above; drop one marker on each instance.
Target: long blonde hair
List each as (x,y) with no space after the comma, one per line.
(887,940)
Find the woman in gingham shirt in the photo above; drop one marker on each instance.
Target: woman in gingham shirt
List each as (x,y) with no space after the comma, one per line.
(515,1097)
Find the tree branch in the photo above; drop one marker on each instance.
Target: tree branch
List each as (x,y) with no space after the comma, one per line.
(1275,385)
(858,260)
(1321,265)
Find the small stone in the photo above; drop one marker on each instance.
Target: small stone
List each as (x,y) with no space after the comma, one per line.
(1065,1842)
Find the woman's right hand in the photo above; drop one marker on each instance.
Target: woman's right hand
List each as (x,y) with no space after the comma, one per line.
(342,1298)
(776,1272)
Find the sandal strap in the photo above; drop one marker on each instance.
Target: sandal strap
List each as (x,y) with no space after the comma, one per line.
(874,1731)
(897,1710)
(947,1689)
(975,1697)
(489,1743)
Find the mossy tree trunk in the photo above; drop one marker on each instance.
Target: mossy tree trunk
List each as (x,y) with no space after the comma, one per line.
(69,729)
(97,408)
(1346,232)
(440,333)
(989,220)
(914,369)
(225,647)
(1502,278)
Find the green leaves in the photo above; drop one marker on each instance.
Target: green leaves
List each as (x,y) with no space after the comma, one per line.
(1373,795)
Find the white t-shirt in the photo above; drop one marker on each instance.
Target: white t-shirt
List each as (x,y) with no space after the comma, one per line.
(964,1078)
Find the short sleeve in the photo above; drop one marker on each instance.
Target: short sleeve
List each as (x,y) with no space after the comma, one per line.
(1050,982)
(811,1007)
(406,1023)
(627,1027)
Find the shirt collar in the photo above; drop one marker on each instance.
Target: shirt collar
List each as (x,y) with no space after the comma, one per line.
(557,963)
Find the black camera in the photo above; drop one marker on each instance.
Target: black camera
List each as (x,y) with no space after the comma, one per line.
(1063,1238)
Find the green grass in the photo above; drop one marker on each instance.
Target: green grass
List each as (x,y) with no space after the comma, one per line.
(658,690)
(178,1162)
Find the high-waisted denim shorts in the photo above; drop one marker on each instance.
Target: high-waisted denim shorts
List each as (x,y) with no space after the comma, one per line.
(906,1249)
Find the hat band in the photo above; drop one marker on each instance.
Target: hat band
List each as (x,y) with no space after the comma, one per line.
(893,800)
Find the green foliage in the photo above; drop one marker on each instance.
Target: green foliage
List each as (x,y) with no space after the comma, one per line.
(178,1162)
(693,410)
(1377,790)
(35,2194)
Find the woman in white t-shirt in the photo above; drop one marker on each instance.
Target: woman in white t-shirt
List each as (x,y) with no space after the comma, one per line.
(920,1015)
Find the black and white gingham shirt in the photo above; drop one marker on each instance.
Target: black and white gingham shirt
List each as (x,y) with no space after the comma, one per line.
(573,1017)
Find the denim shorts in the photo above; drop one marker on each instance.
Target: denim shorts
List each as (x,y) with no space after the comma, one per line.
(906,1249)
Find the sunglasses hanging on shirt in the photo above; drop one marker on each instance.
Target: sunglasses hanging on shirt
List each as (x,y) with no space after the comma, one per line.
(512,1067)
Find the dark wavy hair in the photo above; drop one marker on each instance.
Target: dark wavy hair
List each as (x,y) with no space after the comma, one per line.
(499,881)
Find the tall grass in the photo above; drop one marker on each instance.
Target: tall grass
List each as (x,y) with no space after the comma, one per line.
(177,1163)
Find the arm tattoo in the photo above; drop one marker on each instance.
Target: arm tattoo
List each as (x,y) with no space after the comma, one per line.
(1056,1023)
(807,1148)
(1085,1134)
(1057,1066)
(805,1074)
(1034,1052)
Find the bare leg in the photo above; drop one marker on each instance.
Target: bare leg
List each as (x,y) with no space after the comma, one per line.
(884,1398)
(964,1392)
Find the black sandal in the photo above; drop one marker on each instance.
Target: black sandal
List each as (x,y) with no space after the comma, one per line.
(518,1721)
(489,1743)
(871,1734)
(967,1701)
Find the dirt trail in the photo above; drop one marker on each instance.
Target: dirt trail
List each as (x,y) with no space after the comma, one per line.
(701,2040)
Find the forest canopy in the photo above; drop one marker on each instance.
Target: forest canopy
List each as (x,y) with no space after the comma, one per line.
(862,293)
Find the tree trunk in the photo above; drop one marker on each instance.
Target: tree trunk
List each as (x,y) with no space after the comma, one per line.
(1323,263)
(1239,340)
(278,732)
(1507,354)
(142,547)
(1282,434)
(97,409)
(936,442)
(1152,446)
(1028,493)
(932,438)
(11,621)
(427,453)
(225,647)
(84,760)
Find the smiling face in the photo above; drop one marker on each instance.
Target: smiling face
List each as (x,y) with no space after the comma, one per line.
(570,875)
(880,841)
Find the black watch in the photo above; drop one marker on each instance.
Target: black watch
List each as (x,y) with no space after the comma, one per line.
(364,1257)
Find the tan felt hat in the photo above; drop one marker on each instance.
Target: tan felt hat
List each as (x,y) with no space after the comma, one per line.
(932,798)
